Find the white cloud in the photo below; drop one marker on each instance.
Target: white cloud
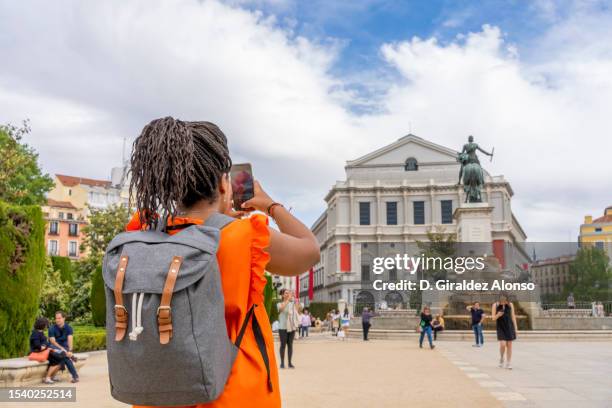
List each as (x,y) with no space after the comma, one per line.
(88,75)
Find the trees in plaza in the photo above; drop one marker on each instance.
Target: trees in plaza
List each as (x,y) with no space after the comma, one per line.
(88,297)
(438,245)
(22,230)
(103,225)
(22,262)
(65,267)
(590,275)
(55,293)
(21,180)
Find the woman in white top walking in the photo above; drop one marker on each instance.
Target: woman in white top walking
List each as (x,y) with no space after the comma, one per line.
(345,322)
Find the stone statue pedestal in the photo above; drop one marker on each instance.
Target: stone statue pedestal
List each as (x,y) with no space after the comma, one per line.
(474,223)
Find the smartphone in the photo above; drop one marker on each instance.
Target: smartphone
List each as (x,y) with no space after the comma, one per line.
(243,187)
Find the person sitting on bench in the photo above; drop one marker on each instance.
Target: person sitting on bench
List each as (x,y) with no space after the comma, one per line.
(61,338)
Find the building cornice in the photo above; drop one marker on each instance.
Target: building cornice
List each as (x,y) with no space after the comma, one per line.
(348,188)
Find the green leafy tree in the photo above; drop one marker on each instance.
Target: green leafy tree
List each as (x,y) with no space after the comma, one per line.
(80,307)
(22,262)
(438,245)
(55,292)
(103,225)
(65,267)
(98,298)
(88,297)
(590,275)
(269,294)
(21,180)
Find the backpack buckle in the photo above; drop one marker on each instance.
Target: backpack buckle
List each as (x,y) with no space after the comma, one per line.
(117,313)
(168,308)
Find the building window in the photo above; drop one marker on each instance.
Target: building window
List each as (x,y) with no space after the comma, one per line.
(53,228)
(69,216)
(411,164)
(447,211)
(72,248)
(69,191)
(364,213)
(60,215)
(73,230)
(598,229)
(53,248)
(418,208)
(599,245)
(365,273)
(391,213)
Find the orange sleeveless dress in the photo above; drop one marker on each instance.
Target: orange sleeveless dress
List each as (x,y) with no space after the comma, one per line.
(242,260)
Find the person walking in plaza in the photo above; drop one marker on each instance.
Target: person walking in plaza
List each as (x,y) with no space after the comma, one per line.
(600,310)
(426,328)
(437,325)
(287,325)
(366,315)
(327,323)
(305,323)
(505,319)
(41,350)
(61,337)
(335,322)
(345,323)
(181,169)
(477,317)
(571,303)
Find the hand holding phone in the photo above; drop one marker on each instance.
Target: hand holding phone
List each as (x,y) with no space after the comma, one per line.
(243,187)
(261,201)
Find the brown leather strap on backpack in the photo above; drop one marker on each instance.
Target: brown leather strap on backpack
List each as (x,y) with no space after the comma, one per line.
(121,314)
(164,312)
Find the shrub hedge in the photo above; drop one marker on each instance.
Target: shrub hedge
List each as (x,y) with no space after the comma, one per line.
(320,309)
(64,265)
(22,263)
(98,299)
(89,338)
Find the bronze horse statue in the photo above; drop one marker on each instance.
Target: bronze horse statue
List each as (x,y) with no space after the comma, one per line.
(473,175)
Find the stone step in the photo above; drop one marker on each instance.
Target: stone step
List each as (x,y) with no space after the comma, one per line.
(489,335)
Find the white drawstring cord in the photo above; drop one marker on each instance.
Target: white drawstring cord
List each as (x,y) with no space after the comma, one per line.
(136,316)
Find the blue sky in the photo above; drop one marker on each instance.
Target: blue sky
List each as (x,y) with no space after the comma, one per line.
(362,26)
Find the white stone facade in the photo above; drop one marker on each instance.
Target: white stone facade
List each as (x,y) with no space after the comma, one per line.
(421,198)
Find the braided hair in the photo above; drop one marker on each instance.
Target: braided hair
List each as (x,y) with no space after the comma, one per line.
(176,163)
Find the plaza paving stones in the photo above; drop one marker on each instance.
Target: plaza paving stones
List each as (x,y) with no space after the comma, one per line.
(544,375)
(395,373)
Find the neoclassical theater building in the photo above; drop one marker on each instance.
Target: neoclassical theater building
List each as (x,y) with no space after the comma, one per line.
(390,199)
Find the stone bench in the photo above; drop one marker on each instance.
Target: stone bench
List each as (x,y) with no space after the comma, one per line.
(19,372)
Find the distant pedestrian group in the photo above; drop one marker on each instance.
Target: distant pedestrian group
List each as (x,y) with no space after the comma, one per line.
(502,313)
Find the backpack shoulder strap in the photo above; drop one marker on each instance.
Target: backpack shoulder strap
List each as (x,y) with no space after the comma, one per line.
(259,339)
(218,220)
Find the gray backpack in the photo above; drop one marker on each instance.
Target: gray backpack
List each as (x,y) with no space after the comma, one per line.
(175,350)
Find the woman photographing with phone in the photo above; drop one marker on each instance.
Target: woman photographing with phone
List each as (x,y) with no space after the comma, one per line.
(505,319)
(182,169)
(287,315)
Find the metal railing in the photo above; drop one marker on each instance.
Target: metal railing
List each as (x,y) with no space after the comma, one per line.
(580,305)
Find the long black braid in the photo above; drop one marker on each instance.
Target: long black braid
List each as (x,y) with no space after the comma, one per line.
(176,163)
